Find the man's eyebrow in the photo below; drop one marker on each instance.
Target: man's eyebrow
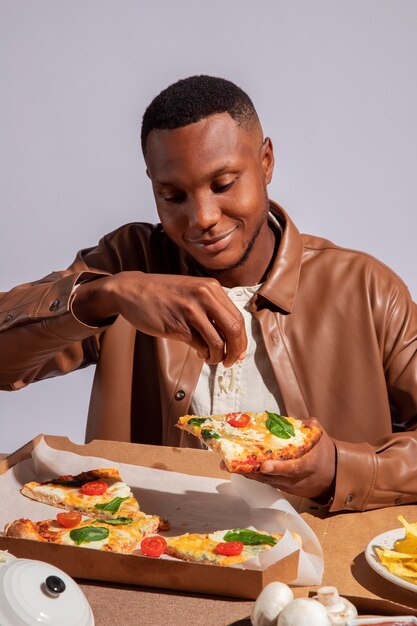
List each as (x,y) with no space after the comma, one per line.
(220,170)
(217,172)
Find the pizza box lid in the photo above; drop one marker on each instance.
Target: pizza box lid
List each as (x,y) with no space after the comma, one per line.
(134,569)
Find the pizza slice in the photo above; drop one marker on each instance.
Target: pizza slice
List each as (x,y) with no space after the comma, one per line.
(97,493)
(222,547)
(245,440)
(119,534)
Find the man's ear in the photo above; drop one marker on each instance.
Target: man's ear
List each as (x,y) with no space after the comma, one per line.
(267,159)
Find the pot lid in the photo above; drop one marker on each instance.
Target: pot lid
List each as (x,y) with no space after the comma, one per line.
(33,593)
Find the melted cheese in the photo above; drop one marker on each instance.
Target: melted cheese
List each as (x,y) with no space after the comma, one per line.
(194,547)
(242,443)
(118,490)
(257,433)
(123,538)
(72,497)
(201,548)
(231,449)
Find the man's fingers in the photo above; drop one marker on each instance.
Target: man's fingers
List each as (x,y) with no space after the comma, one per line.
(207,342)
(223,332)
(193,310)
(290,469)
(260,478)
(199,344)
(268,468)
(227,321)
(311,421)
(230,325)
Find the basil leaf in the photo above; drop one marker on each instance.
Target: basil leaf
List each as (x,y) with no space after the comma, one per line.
(116,521)
(112,506)
(279,426)
(196,421)
(249,537)
(206,433)
(88,533)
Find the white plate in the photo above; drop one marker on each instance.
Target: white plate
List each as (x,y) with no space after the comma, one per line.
(387,540)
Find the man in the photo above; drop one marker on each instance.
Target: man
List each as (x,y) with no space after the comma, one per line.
(224,304)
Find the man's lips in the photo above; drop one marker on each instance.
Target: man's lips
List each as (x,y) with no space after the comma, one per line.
(212,244)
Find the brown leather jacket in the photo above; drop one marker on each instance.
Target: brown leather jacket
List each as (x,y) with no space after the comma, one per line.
(339,327)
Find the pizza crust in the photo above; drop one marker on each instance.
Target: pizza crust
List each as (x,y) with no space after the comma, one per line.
(71,498)
(22,529)
(124,538)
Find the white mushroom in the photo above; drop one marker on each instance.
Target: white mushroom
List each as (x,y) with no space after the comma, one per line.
(338,608)
(303,612)
(269,603)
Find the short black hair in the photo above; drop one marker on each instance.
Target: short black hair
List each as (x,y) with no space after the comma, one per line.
(192,99)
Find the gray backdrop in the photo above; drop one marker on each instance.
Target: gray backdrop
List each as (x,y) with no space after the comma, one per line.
(334,82)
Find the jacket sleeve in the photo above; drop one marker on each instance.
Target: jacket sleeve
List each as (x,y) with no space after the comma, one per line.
(39,335)
(383,473)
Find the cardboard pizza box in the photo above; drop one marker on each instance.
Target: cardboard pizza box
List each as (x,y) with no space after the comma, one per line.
(343,536)
(138,570)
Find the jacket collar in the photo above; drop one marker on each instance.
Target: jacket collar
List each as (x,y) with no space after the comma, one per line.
(280,287)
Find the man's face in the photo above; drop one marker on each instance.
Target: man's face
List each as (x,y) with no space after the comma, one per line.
(209,180)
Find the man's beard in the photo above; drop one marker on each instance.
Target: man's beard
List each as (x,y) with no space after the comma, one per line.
(241,261)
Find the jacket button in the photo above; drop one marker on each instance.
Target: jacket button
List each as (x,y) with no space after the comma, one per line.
(397,501)
(8,319)
(55,304)
(349,499)
(180,395)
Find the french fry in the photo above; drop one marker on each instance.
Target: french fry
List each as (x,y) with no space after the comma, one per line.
(402,561)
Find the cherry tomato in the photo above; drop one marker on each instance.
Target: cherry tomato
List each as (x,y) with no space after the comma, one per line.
(238,420)
(94,488)
(70,519)
(153,546)
(229,548)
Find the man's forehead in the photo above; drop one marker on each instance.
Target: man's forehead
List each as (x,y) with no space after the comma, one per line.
(217,139)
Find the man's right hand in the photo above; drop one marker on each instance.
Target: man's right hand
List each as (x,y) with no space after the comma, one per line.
(190,309)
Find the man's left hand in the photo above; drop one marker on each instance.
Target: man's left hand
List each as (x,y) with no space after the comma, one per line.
(311,476)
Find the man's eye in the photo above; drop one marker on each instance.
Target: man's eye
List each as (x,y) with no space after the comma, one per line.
(222,188)
(175,199)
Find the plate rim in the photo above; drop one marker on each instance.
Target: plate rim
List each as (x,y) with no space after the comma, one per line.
(391,536)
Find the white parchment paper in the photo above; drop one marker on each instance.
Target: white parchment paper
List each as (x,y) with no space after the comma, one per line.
(192,504)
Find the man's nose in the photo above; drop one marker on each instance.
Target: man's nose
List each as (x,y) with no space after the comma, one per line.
(203,212)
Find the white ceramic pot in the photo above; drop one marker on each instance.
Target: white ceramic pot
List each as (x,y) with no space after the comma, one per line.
(33,593)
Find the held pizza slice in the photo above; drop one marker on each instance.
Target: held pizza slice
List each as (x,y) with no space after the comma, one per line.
(97,493)
(121,534)
(245,440)
(223,547)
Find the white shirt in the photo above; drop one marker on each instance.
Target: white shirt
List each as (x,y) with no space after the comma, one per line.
(248,385)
